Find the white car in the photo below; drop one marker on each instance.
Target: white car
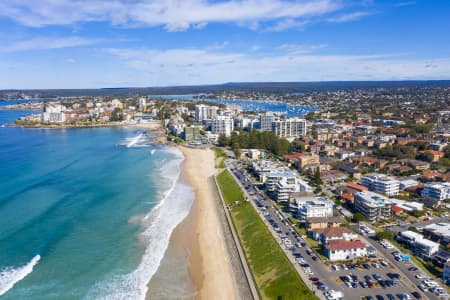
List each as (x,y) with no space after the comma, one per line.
(420,276)
(335,267)
(422,288)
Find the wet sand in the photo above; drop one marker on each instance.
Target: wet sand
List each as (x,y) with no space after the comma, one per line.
(197,245)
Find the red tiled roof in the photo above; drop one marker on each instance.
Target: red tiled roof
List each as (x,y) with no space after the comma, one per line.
(348,197)
(356,186)
(397,209)
(335,231)
(293,156)
(345,245)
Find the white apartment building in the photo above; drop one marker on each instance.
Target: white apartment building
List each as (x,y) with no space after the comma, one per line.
(281,185)
(372,205)
(292,127)
(418,244)
(265,121)
(53,113)
(381,183)
(205,112)
(309,207)
(436,190)
(222,125)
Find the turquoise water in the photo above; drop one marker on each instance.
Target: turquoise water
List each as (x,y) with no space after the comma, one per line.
(74,211)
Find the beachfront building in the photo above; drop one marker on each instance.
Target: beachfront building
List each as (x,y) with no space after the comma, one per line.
(205,112)
(289,128)
(439,232)
(381,183)
(310,207)
(418,244)
(372,205)
(222,125)
(284,185)
(436,190)
(265,121)
(337,250)
(324,222)
(325,235)
(53,113)
(192,133)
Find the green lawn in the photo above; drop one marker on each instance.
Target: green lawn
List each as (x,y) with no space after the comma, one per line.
(275,276)
(220,157)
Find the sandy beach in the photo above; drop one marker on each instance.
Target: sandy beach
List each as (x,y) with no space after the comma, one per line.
(200,236)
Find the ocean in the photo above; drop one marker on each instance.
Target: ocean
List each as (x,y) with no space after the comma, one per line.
(85,213)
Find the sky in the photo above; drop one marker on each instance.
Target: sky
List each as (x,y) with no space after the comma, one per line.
(139,43)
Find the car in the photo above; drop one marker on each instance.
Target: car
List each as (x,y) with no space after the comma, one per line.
(384,264)
(420,276)
(344,267)
(313,279)
(416,295)
(366,266)
(354,285)
(369,298)
(393,275)
(363,284)
(412,269)
(422,287)
(377,276)
(314,258)
(390,297)
(379,297)
(369,284)
(335,267)
(367,277)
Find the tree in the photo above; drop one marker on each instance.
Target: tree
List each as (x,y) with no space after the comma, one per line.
(223,140)
(359,217)
(117,115)
(317,178)
(386,235)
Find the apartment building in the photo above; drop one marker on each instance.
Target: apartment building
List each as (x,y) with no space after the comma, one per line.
(53,113)
(222,125)
(436,190)
(292,127)
(418,244)
(381,183)
(205,112)
(373,206)
(265,121)
(311,207)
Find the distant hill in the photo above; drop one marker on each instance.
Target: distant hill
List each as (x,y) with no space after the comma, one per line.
(267,87)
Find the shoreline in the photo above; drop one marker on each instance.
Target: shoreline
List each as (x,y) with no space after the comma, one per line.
(201,234)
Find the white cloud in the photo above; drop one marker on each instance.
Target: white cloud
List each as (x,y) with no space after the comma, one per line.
(406,3)
(286,24)
(174,15)
(300,49)
(39,43)
(354,16)
(71,60)
(201,66)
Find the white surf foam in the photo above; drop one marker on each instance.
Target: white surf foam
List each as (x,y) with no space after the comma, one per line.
(139,140)
(10,276)
(159,223)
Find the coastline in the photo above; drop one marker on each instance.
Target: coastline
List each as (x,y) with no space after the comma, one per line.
(201,236)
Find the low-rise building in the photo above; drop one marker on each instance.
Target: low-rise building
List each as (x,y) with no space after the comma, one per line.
(418,244)
(436,191)
(325,235)
(373,206)
(309,207)
(324,222)
(439,232)
(345,250)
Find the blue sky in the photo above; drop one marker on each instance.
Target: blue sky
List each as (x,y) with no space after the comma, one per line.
(93,43)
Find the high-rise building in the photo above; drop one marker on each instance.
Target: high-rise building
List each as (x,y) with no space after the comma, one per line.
(265,121)
(205,112)
(222,125)
(53,113)
(292,127)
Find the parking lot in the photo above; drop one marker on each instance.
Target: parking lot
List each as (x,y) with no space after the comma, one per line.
(378,280)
